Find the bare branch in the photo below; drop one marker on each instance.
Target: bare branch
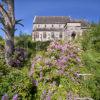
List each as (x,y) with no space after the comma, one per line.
(5,15)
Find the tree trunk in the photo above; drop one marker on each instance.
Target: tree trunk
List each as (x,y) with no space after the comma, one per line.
(9,48)
(8,21)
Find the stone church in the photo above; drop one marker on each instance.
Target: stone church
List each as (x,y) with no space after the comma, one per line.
(48,28)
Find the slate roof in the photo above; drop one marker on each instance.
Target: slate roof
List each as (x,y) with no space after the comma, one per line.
(51,20)
(58,20)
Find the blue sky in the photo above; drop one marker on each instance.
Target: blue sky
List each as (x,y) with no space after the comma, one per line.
(79,9)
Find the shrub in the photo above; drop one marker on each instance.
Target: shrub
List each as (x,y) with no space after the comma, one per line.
(56,71)
(91,59)
(18,58)
(16,82)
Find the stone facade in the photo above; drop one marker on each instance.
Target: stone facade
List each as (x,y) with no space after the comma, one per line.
(46,28)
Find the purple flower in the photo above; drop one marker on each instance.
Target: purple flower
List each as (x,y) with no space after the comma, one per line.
(72,55)
(41,68)
(72,78)
(78,59)
(47,61)
(41,75)
(69,96)
(65,59)
(44,92)
(48,97)
(60,72)
(43,96)
(32,70)
(35,82)
(62,61)
(64,48)
(38,58)
(76,74)
(15,97)
(33,64)
(5,97)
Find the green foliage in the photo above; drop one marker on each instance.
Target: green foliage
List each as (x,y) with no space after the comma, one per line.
(91,38)
(1,41)
(53,85)
(3,67)
(91,58)
(16,82)
(86,41)
(25,41)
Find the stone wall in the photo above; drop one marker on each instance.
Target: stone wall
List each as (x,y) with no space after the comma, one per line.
(49,35)
(56,29)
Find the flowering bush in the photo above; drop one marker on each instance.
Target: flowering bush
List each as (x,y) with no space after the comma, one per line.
(16,82)
(19,57)
(56,70)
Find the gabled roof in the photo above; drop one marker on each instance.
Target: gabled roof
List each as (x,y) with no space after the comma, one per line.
(84,23)
(58,20)
(51,20)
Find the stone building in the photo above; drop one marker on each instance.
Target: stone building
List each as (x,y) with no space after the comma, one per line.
(48,28)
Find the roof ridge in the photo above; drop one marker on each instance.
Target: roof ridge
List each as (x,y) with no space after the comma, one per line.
(52,19)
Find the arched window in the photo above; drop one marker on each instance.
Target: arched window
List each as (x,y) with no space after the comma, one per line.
(73,35)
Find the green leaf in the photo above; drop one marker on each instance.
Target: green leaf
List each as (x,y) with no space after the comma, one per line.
(18,22)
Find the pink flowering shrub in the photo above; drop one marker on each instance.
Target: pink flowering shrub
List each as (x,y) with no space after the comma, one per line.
(56,70)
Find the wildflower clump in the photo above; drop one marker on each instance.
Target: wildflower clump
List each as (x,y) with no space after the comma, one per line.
(56,70)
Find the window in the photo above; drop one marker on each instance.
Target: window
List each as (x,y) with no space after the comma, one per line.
(38,26)
(35,27)
(36,35)
(59,26)
(45,26)
(52,35)
(73,35)
(60,35)
(44,35)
